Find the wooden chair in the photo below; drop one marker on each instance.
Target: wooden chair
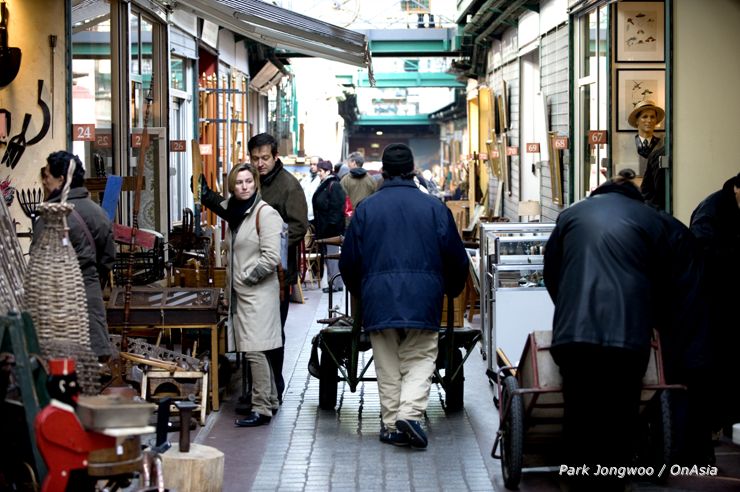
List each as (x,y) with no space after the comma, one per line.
(310,260)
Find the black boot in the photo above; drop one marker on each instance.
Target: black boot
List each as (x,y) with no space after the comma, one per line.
(253,420)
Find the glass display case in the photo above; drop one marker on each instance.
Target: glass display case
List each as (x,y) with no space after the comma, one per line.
(514,301)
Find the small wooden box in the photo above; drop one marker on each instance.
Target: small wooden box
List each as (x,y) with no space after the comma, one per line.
(192,277)
(459,315)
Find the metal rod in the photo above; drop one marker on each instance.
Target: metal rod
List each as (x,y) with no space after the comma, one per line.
(53,46)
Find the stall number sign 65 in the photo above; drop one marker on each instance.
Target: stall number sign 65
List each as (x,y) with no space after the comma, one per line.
(85,132)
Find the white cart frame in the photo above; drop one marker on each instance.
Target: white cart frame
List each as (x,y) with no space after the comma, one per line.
(509,314)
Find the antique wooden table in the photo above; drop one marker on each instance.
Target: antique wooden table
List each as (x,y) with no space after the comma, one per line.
(168,308)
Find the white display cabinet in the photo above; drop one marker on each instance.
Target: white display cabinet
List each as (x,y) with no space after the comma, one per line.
(514,301)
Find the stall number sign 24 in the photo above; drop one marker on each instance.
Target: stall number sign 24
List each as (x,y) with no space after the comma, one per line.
(84,132)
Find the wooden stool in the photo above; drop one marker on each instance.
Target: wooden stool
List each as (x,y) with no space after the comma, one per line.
(199,470)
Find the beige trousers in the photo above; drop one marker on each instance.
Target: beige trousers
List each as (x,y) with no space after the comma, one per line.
(264,391)
(404,364)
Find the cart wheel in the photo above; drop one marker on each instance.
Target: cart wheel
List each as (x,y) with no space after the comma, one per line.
(661,435)
(455,389)
(512,434)
(327,382)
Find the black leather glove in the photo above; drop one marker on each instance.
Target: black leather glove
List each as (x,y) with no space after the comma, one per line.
(203,185)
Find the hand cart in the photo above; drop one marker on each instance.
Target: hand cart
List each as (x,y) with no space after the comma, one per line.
(531,410)
(343,339)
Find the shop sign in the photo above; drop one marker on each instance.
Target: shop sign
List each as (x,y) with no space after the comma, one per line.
(84,132)
(512,150)
(103,140)
(178,146)
(483,156)
(560,143)
(206,149)
(533,148)
(597,137)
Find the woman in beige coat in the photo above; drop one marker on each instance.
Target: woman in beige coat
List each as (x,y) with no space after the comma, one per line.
(253,288)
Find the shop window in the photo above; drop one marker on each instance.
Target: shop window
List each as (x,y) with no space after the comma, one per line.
(592,165)
(91,85)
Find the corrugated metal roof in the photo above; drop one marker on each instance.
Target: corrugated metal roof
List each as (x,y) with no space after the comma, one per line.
(282,28)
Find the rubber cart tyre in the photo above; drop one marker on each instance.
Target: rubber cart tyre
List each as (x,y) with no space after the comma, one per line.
(327,382)
(512,435)
(455,389)
(661,435)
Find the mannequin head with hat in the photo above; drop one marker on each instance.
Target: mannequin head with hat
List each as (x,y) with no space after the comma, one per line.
(645,117)
(398,160)
(62,382)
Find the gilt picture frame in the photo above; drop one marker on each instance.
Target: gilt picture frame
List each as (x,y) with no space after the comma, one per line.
(640,32)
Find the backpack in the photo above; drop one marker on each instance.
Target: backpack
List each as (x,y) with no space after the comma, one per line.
(283,265)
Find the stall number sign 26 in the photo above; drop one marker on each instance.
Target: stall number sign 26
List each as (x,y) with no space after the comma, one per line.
(85,132)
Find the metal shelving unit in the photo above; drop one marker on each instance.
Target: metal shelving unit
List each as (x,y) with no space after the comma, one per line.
(514,301)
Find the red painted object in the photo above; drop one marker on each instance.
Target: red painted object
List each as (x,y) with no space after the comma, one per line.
(65,444)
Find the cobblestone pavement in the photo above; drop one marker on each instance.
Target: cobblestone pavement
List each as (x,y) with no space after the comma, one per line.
(308,449)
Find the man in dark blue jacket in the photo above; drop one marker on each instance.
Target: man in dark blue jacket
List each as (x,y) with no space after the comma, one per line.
(401,254)
(605,265)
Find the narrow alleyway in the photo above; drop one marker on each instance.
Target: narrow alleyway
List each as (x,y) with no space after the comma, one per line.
(308,449)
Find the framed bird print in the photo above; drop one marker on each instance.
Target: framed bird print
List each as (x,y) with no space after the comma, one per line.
(640,34)
(634,86)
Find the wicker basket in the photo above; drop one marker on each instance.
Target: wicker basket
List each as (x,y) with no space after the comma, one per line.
(55,296)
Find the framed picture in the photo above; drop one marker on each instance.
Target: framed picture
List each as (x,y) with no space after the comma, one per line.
(633,86)
(640,35)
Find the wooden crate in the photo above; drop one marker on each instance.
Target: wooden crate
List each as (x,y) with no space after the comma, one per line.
(459,315)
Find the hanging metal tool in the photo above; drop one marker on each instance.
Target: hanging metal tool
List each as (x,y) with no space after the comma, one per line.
(10,58)
(46,122)
(16,145)
(53,46)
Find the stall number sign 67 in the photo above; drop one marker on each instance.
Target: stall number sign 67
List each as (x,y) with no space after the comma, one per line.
(596,137)
(84,133)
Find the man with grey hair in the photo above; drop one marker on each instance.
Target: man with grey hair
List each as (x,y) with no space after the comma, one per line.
(358,184)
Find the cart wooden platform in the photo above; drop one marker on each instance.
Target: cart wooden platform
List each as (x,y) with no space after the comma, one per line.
(531,410)
(341,342)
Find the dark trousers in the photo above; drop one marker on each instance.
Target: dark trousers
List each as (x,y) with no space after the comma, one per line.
(601,393)
(692,418)
(276,356)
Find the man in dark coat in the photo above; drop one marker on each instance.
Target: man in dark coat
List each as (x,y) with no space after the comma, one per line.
(604,268)
(401,254)
(91,234)
(685,342)
(328,216)
(716,226)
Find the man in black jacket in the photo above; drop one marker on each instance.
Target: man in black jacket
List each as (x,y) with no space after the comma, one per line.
(716,226)
(604,267)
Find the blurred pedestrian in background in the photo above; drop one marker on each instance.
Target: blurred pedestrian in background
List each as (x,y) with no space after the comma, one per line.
(328,209)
